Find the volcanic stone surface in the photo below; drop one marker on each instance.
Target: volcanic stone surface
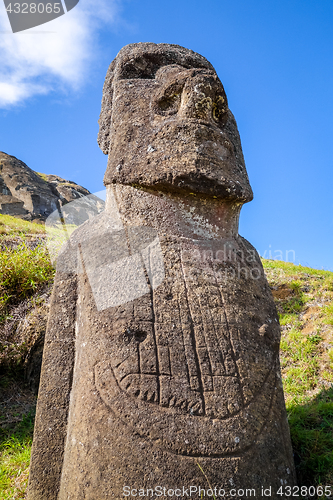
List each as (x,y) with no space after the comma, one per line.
(29,195)
(161,365)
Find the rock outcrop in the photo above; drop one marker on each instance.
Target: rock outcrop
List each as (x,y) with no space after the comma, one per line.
(34,196)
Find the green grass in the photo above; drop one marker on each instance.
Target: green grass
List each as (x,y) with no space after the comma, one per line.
(205,476)
(289,269)
(328,314)
(311,426)
(15,450)
(289,319)
(12,226)
(22,271)
(307,366)
(62,182)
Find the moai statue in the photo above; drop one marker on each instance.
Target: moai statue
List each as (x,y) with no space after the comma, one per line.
(161,365)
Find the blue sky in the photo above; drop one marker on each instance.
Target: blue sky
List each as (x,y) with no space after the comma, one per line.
(274,58)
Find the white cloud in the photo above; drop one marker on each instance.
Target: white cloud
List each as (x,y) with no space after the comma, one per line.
(36,63)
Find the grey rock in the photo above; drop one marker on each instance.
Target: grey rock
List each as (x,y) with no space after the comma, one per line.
(33,196)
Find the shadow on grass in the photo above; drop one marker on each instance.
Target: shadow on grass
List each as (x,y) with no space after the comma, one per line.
(19,435)
(15,449)
(17,410)
(311,428)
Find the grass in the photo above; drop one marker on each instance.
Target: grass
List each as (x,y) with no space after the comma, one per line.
(42,176)
(12,226)
(306,316)
(62,182)
(15,450)
(205,476)
(311,427)
(22,271)
(328,314)
(288,269)
(24,268)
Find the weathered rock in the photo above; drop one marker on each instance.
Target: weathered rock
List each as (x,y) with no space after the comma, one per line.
(30,195)
(161,365)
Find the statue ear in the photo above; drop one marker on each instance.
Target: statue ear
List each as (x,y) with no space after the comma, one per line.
(104,121)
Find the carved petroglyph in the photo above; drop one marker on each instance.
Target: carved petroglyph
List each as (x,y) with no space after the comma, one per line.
(222,437)
(185,362)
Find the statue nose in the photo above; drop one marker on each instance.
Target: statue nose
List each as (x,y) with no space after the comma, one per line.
(203,98)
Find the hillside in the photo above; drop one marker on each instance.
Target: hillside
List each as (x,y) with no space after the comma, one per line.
(33,196)
(304,298)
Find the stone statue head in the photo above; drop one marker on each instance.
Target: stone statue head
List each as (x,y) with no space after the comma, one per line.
(165,125)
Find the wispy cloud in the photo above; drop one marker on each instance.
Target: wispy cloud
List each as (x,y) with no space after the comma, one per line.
(33,63)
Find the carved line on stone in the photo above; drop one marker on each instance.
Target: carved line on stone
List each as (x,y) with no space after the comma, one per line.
(189,346)
(231,436)
(200,300)
(205,355)
(195,351)
(151,293)
(187,361)
(230,336)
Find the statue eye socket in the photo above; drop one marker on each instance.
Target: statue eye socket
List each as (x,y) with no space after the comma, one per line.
(168,102)
(169,105)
